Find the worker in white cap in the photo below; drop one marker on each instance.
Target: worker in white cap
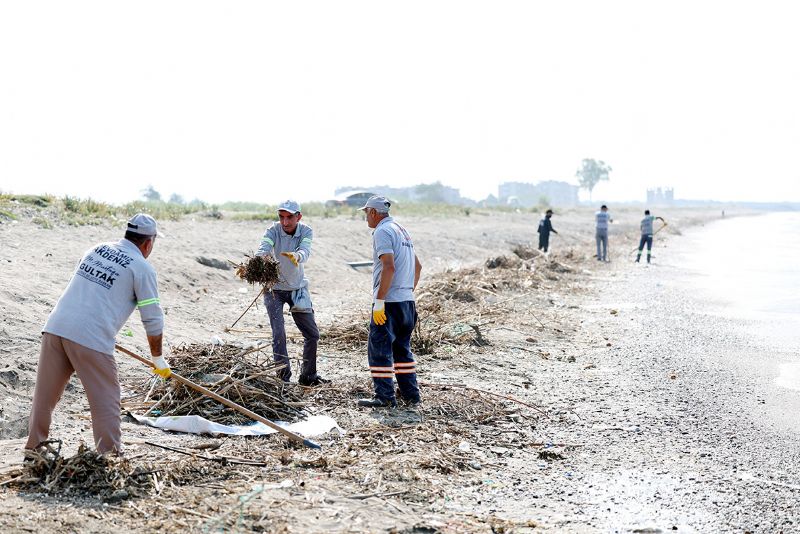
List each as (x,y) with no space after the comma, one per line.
(395,274)
(112,279)
(289,241)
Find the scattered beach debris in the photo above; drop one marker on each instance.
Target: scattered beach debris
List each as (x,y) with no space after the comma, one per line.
(108,477)
(453,305)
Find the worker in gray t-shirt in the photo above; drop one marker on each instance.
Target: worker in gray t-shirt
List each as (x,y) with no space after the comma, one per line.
(110,281)
(602,218)
(395,275)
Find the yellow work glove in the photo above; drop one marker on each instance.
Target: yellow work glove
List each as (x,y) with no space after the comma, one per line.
(161,367)
(378,312)
(294,257)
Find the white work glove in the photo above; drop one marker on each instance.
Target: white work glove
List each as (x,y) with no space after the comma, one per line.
(294,257)
(161,367)
(378,312)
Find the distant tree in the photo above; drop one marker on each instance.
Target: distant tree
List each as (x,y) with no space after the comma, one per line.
(430,192)
(592,172)
(175,198)
(150,194)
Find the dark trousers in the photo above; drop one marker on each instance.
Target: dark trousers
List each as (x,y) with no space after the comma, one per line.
(273,302)
(645,240)
(389,352)
(544,241)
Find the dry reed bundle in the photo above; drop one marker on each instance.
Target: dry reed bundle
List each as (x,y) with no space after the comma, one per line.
(110,478)
(261,270)
(246,377)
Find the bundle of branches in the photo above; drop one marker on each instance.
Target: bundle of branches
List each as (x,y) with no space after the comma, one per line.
(246,377)
(88,472)
(261,270)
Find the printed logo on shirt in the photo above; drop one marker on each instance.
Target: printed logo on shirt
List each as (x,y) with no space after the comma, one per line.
(103,271)
(406,238)
(114,255)
(96,272)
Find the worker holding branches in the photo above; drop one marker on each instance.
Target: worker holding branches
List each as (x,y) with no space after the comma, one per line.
(289,241)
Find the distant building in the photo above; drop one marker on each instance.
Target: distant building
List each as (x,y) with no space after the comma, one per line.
(550,192)
(432,193)
(660,197)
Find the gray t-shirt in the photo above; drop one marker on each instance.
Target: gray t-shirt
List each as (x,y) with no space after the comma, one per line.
(647,224)
(391,238)
(275,241)
(602,218)
(111,280)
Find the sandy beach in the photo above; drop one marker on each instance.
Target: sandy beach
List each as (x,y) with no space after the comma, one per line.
(625,401)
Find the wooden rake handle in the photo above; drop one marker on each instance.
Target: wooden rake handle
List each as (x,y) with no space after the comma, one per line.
(229,403)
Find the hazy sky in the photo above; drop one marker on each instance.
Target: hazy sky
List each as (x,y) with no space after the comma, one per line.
(265,100)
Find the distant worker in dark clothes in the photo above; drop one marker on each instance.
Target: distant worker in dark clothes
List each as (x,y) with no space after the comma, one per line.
(647,234)
(545,227)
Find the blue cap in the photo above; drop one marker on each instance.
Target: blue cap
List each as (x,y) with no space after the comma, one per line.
(378,203)
(289,205)
(143,224)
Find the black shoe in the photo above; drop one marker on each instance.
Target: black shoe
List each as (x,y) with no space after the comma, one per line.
(313,381)
(377,402)
(637,260)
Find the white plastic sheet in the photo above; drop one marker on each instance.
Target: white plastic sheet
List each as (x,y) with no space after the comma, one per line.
(315,425)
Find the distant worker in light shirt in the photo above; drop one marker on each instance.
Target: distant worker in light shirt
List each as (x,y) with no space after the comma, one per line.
(395,275)
(647,234)
(112,279)
(602,219)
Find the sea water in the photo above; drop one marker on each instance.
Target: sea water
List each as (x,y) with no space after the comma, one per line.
(750,266)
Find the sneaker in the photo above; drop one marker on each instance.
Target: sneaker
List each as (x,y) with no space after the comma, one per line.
(313,381)
(377,402)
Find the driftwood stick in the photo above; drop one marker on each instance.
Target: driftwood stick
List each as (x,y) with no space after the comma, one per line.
(250,306)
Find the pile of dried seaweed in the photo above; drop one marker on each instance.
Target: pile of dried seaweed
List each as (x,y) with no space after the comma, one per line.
(452,306)
(108,477)
(261,270)
(245,376)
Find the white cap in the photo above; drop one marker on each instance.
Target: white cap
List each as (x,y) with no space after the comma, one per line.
(143,224)
(378,203)
(289,205)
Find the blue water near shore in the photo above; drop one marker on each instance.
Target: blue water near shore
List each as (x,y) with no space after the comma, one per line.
(750,266)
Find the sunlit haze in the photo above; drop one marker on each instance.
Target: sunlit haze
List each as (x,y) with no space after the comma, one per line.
(267,100)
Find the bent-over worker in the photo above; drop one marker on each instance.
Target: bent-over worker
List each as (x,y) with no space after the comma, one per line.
(111,280)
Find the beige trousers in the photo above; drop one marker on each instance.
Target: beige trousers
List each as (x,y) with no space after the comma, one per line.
(58,359)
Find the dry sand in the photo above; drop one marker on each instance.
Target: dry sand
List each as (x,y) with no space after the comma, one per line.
(625,426)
